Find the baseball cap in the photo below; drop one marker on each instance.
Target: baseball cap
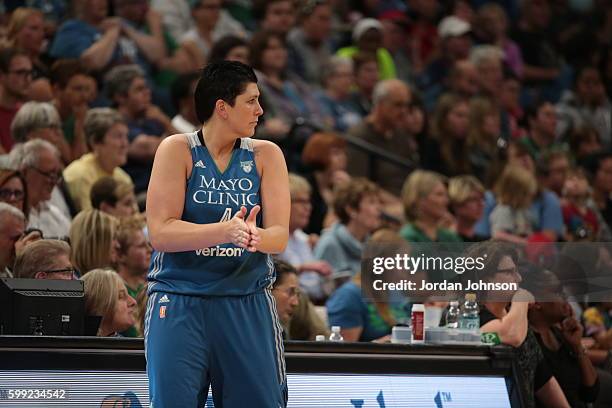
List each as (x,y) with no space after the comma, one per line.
(364,25)
(452,26)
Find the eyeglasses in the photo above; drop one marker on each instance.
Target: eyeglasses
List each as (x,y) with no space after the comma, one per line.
(11,195)
(401,104)
(71,272)
(52,176)
(508,270)
(289,292)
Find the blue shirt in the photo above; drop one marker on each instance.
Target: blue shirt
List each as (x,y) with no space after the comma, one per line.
(75,36)
(347,308)
(140,171)
(212,196)
(545,211)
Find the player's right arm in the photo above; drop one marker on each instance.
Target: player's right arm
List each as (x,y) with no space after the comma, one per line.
(166,199)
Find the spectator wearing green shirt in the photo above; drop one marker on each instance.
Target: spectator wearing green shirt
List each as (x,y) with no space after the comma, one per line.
(368,38)
(542,138)
(425,199)
(133,257)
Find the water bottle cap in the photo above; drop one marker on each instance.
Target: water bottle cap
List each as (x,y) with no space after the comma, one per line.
(454,303)
(418,307)
(335,329)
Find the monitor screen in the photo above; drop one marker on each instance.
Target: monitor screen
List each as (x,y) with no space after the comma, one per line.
(42,307)
(25,388)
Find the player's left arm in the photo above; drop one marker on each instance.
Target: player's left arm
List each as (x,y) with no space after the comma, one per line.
(275,199)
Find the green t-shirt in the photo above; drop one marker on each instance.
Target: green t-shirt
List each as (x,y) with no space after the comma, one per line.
(68,128)
(386,66)
(537,152)
(447,244)
(132,331)
(412,233)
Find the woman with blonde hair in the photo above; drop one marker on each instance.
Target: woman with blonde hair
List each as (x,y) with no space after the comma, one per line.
(92,237)
(425,199)
(514,191)
(467,202)
(133,258)
(299,251)
(106,296)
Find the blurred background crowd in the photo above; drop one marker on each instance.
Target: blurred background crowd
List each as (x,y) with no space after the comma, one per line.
(401,121)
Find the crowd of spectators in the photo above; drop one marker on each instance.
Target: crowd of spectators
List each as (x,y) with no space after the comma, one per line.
(402,122)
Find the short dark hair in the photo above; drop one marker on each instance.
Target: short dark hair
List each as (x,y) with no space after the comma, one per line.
(104,191)
(492,252)
(282,269)
(224,45)
(593,162)
(64,69)
(223,80)
(533,110)
(260,8)
(6,57)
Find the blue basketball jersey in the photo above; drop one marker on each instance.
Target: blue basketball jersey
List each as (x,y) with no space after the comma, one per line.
(213,196)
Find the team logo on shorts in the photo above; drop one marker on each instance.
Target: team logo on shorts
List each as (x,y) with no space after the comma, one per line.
(247,166)
(162,312)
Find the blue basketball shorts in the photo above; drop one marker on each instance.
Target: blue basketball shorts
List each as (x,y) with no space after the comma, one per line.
(233,344)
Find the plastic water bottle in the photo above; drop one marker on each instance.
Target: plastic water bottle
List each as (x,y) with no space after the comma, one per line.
(335,334)
(452,315)
(469,317)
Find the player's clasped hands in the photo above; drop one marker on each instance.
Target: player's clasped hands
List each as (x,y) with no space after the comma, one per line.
(242,231)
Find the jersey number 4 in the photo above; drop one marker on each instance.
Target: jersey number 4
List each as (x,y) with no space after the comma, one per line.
(227,215)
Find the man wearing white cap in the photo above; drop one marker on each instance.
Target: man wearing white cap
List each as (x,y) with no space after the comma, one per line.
(368,38)
(455,45)
(454,34)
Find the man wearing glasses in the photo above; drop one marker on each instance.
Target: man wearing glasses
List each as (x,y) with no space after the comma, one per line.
(45,259)
(39,162)
(286,293)
(15,79)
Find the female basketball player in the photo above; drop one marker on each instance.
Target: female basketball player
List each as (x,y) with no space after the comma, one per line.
(217,206)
